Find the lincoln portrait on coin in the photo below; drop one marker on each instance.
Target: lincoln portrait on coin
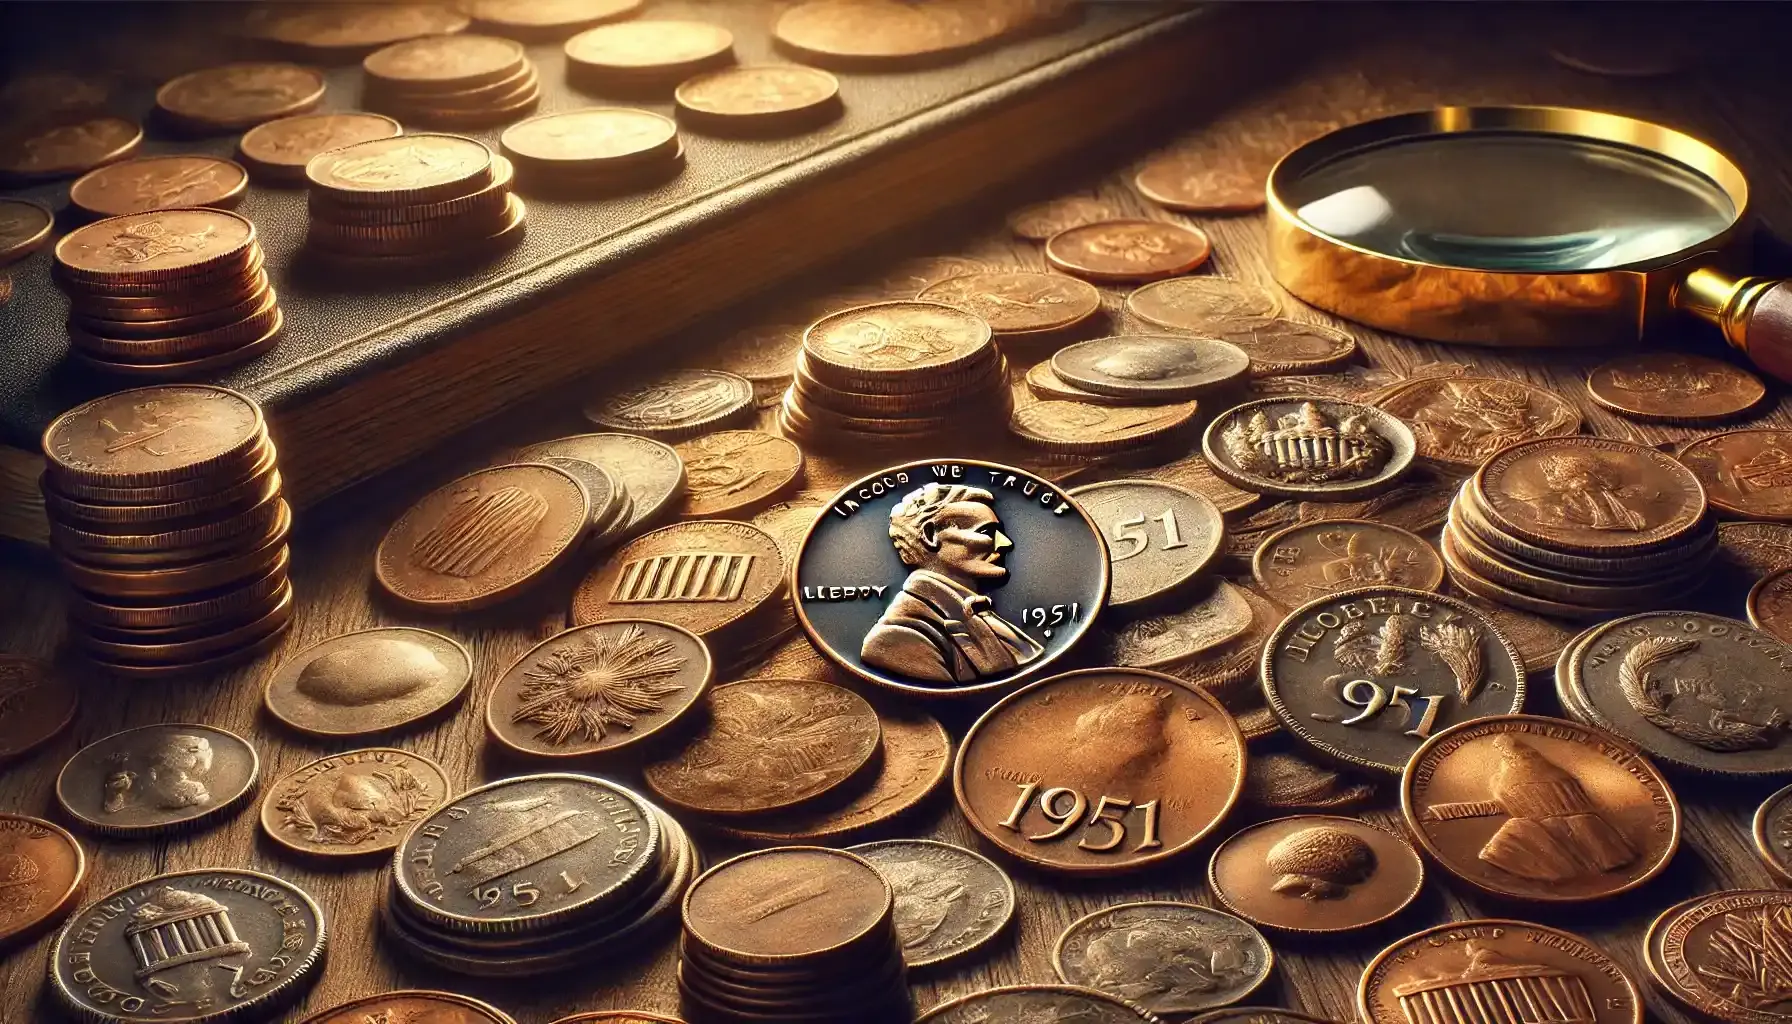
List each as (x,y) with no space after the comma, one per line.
(940,627)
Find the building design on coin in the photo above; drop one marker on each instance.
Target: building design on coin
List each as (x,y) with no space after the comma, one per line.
(1307,447)
(1320,863)
(170,776)
(600,682)
(1492,979)
(1733,715)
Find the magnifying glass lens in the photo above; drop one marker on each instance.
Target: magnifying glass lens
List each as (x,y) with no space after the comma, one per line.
(1511,201)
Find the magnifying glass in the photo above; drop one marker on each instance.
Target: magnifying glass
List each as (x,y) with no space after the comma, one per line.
(1523,227)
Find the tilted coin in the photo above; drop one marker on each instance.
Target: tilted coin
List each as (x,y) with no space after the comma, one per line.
(887,341)
(597,688)
(1040,221)
(1281,346)
(767,97)
(1082,428)
(201,947)
(1039,1002)
(1315,874)
(995,574)
(1257,1015)
(1151,367)
(1710,953)
(591,138)
(1770,605)
(37,704)
(1428,975)
(278,150)
(406,170)
(1204,304)
(156,778)
(1165,640)
(1086,772)
(1160,537)
(769,745)
(650,471)
(1214,957)
(1288,780)
(368,681)
(1772,830)
(1461,421)
(1540,809)
(1198,182)
(949,901)
(233,97)
(1044,382)
(1229,671)
(1194,472)
(405,1007)
(1308,448)
(649,48)
(1746,473)
(1310,560)
(676,405)
(782,906)
(37,152)
(705,576)
(478,540)
(354,803)
(1674,387)
(545,19)
(610,504)
(1366,676)
(42,872)
(158,183)
(1018,301)
(1590,495)
(731,474)
(1753,550)
(1128,250)
(24,228)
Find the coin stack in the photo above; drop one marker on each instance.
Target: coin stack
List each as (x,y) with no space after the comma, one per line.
(177,565)
(167,294)
(458,82)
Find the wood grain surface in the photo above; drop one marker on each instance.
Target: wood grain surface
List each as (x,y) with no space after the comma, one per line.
(1410,57)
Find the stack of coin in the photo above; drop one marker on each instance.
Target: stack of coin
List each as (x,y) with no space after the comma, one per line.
(459,81)
(166,515)
(410,200)
(608,869)
(1580,527)
(167,294)
(794,933)
(895,373)
(597,149)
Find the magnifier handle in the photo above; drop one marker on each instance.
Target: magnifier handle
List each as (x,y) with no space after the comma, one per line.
(1755,314)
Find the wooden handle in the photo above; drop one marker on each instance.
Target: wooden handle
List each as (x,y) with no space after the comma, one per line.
(1763,330)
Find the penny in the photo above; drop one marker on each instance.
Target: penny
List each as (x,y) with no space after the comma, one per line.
(154,950)
(995,575)
(911,276)
(1773,833)
(233,97)
(479,540)
(609,502)
(1017,301)
(598,688)
(1127,250)
(1540,809)
(789,521)
(1215,958)
(1047,385)
(617,1017)
(1460,422)
(1674,387)
(786,905)
(1312,560)
(651,472)
(355,803)
(770,96)
(37,704)
(463,61)
(278,150)
(1151,367)
(1082,428)
(1770,605)
(677,405)
(769,745)
(1427,975)
(405,1007)
(1288,346)
(1315,874)
(1085,772)
(24,228)
(1746,473)
(1166,640)
(734,473)
(1711,954)
(1160,537)
(156,778)
(159,183)
(545,19)
(1286,780)
(42,872)
(1040,221)
(402,171)
(1204,304)
(1590,496)
(1038,1002)
(1308,448)
(593,138)
(370,681)
(653,47)
(1198,183)
(39,152)
(764,354)
(1365,676)
(155,247)
(949,902)
(346,27)
(1754,549)
(894,340)
(704,576)
(1256,1015)
(1229,670)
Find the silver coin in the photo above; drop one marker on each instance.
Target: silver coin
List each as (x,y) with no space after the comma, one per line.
(1170,958)
(949,901)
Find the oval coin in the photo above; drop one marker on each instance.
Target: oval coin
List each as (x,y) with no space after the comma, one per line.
(354,803)
(233,97)
(369,681)
(1590,496)
(748,909)
(949,901)
(1168,640)
(1204,304)
(1314,448)
(1459,422)
(1017,301)
(1160,537)
(159,183)
(677,405)
(1122,950)
(1472,962)
(1151,367)
(1315,874)
(44,870)
(731,474)
(1127,250)
(405,1006)
(157,778)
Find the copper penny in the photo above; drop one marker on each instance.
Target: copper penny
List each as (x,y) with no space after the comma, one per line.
(157,247)
(949,903)
(1773,833)
(1083,428)
(42,872)
(1040,221)
(37,704)
(652,472)
(155,778)
(345,27)
(590,139)
(704,576)
(1461,421)
(1770,605)
(649,47)
(233,97)
(1018,301)
(1754,549)
(1256,1015)
(546,19)
(24,228)
(404,170)
(1151,367)
(1230,670)
(1590,496)
(1746,473)
(482,538)
(1308,448)
(891,340)
(1312,560)
(1201,183)
(1122,951)
(407,1006)
(1288,346)
(1085,772)
(598,688)
(1166,640)
(677,405)
(1315,874)
(1674,387)
(278,150)
(617,1017)
(1128,250)
(769,745)
(911,276)
(354,803)
(1426,976)
(755,95)
(462,61)
(1289,781)
(367,682)
(1205,304)
(1716,954)
(787,905)
(153,436)
(1039,1002)
(764,354)
(159,183)
(1160,537)
(731,474)
(67,148)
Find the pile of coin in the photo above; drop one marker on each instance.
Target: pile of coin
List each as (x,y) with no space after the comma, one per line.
(1580,527)
(410,200)
(167,518)
(460,81)
(167,294)
(609,869)
(895,373)
(797,933)
(597,149)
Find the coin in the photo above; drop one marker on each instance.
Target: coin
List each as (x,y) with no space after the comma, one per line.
(1018,301)
(156,778)
(278,150)
(609,502)
(1176,531)
(1427,975)
(153,951)
(1746,473)
(354,803)
(590,139)
(652,49)
(921,623)
(1288,346)
(368,681)
(545,19)
(1038,1002)
(1047,385)
(454,62)
(894,341)
(769,97)
(1122,950)
(911,276)
(949,903)
(789,521)
(37,152)
(1151,367)
(156,247)
(405,1007)
(233,97)
(1308,448)
(1311,560)
(1709,953)
(1770,605)
(598,688)
(1590,496)
(37,704)
(1196,182)
(1195,473)
(1204,304)
(749,910)
(1539,640)
(401,171)
(617,1017)
(1674,387)
(1256,1015)
(159,183)
(676,405)
(44,870)
(1754,549)
(705,576)
(340,28)
(1082,428)
(1461,421)
(1040,221)
(769,745)
(652,471)
(24,228)
(1315,874)
(1166,640)
(1127,250)
(1773,833)
(1287,780)
(734,473)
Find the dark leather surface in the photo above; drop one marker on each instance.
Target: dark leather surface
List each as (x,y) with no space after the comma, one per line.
(337,328)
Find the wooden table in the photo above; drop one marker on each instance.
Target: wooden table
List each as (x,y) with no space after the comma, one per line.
(1408,57)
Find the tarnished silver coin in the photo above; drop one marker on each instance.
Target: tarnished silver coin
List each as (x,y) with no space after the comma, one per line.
(651,473)
(1160,537)
(1170,958)
(1152,367)
(949,901)
(1315,448)
(157,778)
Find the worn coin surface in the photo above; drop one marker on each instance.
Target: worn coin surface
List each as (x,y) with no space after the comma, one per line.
(1038,1002)
(1042,381)
(1770,605)
(731,474)
(650,470)
(201,947)
(1308,448)
(463,61)
(1197,182)
(1311,560)
(24,228)
(1539,640)
(1083,428)
(233,97)
(676,405)
(1710,954)
(348,27)
(354,803)
(784,905)
(1127,250)
(1315,873)
(1473,963)
(158,183)
(407,169)
(1752,550)
(1281,346)
(1461,421)
(1151,367)
(704,576)
(156,778)
(545,19)
(1746,473)
(1208,304)
(278,150)
(1290,781)
(1256,1015)
(1365,676)
(42,871)
(406,1007)
(1674,387)
(649,47)
(759,94)
(950,577)
(1773,833)
(156,247)
(37,703)
(949,901)
(1018,301)
(1170,958)
(1165,640)
(591,137)
(769,745)
(617,1017)
(885,341)
(480,539)
(1039,221)
(74,146)
(1541,809)
(368,681)
(789,521)
(1160,537)
(1590,495)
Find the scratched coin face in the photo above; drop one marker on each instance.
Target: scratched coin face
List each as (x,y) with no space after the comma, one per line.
(731,474)
(70,147)
(676,405)
(1128,250)
(158,183)
(1039,1002)
(1461,421)
(949,901)
(45,870)
(780,905)
(237,96)
(1122,951)
(156,245)
(1018,302)
(281,148)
